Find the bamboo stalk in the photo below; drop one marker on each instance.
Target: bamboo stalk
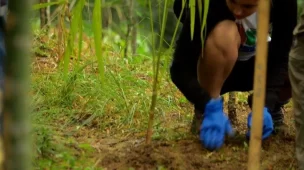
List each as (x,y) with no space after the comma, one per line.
(17,143)
(156,73)
(259,86)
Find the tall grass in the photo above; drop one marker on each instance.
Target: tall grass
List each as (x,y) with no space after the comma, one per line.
(157,53)
(130,90)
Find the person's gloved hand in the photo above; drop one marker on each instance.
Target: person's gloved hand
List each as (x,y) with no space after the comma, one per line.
(267,124)
(215,125)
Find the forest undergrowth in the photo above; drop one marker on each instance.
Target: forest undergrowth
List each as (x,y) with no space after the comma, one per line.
(83,123)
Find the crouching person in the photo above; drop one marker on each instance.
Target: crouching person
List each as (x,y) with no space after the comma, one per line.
(296,75)
(226,62)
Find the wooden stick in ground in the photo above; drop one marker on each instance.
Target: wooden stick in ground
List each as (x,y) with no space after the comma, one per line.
(259,85)
(232,108)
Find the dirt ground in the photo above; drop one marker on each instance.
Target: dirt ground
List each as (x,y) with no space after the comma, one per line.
(189,154)
(118,153)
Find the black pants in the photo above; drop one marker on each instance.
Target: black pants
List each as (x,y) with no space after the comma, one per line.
(241,77)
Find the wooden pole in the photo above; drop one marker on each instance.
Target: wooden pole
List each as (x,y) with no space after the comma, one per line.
(259,85)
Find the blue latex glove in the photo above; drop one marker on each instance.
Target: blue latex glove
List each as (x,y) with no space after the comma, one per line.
(215,125)
(267,124)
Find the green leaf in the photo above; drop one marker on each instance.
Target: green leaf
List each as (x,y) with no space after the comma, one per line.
(97,29)
(75,22)
(192,17)
(206,9)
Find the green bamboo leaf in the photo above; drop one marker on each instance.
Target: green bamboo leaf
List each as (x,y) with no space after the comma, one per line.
(82,3)
(97,29)
(199,3)
(76,17)
(206,9)
(192,16)
(44,5)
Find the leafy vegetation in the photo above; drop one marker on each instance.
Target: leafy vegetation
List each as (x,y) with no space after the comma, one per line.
(94,90)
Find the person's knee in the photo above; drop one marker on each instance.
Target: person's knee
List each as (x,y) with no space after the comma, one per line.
(224,38)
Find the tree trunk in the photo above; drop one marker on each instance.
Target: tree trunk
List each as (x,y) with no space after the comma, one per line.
(48,14)
(232,108)
(133,27)
(130,29)
(134,38)
(17,144)
(61,31)
(43,16)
